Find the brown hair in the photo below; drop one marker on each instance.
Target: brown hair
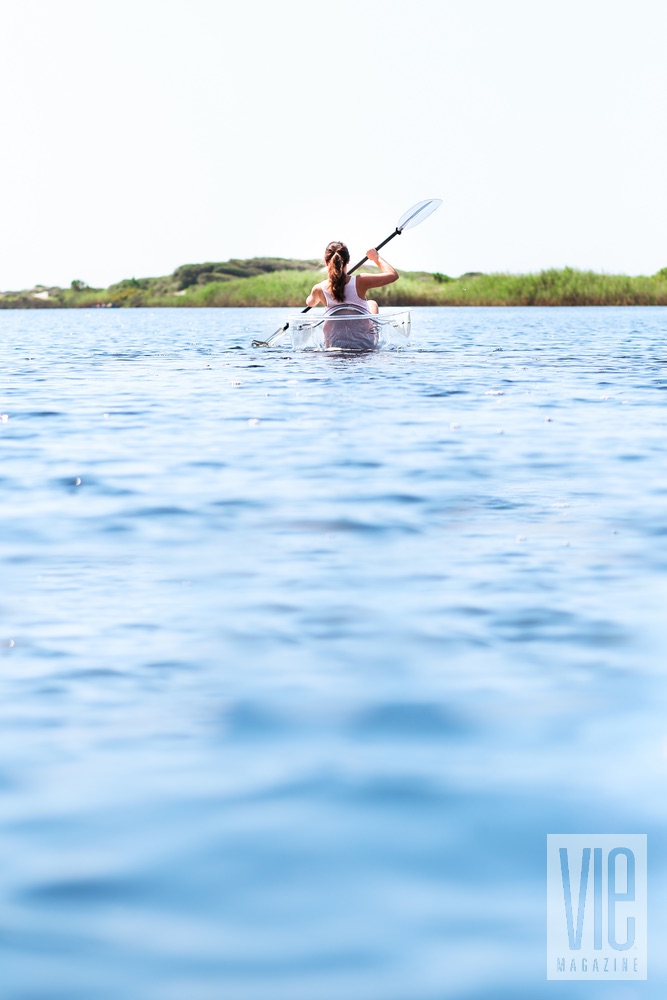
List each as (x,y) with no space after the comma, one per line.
(337,257)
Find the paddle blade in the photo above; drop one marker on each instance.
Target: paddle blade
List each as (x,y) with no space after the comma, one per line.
(418,213)
(274,336)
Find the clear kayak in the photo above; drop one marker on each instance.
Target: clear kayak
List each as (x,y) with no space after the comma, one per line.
(349,329)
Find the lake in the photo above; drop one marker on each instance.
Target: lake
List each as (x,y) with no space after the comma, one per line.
(302,656)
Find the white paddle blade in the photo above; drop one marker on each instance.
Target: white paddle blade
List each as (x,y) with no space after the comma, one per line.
(418,213)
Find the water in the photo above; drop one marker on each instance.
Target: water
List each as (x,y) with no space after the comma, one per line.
(301,657)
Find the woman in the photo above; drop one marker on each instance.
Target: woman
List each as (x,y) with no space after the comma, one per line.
(345,295)
(340,287)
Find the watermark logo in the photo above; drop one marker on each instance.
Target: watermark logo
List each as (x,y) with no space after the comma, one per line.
(596,906)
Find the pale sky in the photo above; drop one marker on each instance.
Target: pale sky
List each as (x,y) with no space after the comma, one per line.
(137,135)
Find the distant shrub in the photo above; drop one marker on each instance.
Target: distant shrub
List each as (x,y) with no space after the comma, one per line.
(442,279)
(208,277)
(186,275)
(130,283)
(125,293)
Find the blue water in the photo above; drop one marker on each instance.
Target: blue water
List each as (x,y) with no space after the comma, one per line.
(301,656)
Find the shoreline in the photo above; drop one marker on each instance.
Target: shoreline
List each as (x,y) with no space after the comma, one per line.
(275,283)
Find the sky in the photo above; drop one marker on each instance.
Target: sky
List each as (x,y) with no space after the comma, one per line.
(139,135)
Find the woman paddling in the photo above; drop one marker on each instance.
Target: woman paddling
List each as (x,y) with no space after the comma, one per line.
(344,296)
(341,288)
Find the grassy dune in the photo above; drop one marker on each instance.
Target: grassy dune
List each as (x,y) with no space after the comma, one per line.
(276,282)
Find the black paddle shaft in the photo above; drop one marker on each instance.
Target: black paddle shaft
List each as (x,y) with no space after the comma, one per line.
(396,232)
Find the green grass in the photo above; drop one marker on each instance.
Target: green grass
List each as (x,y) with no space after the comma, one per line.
(566,287)
(279,288)
(286,283)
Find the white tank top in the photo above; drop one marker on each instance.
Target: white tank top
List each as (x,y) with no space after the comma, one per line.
(352,298)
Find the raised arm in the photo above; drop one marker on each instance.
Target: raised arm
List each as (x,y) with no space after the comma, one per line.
(387,274)
(316,297)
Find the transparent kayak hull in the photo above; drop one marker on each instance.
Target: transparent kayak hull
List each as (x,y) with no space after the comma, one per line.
(349,330)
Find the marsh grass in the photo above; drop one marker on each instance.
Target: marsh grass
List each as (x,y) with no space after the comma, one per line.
(278,288)
(264,282)
(566,287)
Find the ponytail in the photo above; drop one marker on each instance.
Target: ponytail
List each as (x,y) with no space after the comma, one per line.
(337,257)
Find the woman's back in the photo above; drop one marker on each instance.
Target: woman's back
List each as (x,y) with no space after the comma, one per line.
(352,296)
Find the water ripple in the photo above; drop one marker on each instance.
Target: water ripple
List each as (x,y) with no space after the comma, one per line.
(301,657)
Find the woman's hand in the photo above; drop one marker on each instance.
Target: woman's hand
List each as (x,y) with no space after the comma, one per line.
(374,280)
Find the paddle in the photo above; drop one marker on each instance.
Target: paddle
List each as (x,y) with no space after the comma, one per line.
(408,220)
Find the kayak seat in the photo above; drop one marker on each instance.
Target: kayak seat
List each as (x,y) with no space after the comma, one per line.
(350,328)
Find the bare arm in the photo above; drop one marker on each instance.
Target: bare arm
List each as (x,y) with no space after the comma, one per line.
(387,274)
(316,297)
